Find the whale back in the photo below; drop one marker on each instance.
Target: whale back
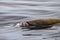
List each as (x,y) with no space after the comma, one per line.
(44,21)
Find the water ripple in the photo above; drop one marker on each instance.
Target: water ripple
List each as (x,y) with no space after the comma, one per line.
(14,11)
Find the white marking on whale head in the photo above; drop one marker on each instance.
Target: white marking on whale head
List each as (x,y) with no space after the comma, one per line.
(22,24)
(18,25)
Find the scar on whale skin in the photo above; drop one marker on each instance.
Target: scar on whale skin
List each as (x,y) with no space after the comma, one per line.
(39,23)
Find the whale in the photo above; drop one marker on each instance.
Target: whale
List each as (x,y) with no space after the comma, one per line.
(39,23)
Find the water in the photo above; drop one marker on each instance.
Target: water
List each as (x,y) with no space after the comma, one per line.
(14,11)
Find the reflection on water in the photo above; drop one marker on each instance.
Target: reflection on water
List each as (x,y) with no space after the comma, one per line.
(14,11)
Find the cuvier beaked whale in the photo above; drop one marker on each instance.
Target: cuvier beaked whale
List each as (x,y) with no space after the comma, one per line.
(39,23)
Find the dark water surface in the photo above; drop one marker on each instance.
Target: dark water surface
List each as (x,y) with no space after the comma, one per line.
(14,11)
